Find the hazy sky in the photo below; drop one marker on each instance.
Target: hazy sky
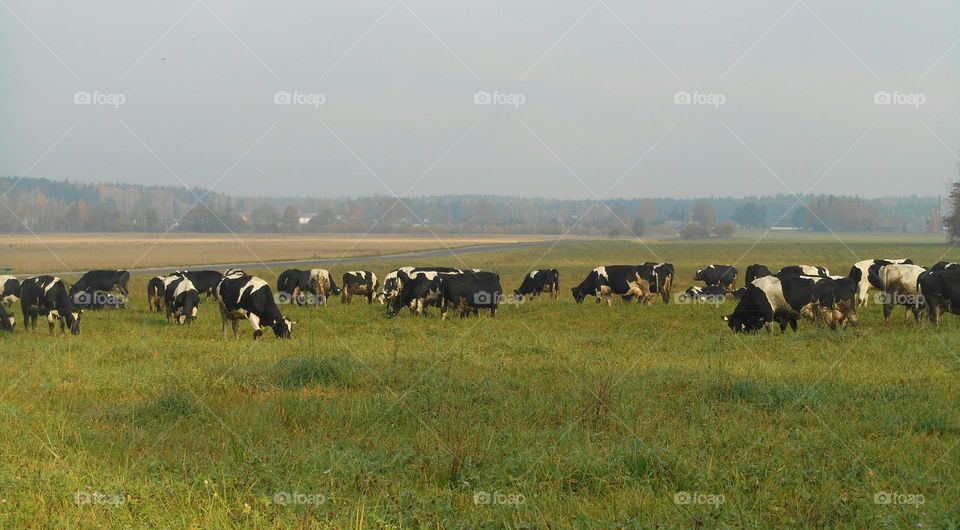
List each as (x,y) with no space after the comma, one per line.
(782,96)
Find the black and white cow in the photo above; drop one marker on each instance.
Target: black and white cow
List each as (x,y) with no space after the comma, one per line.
(836,298)
(803,270)
(391,286)
(770,299)
(181,298)
(941,292)
(249,297)
(363,283)
(755,271)
(204,281)
(155,294)
(469,292)
(941,266)
(723,275)
(7,321)
(610,280)
(295,283)
(899,282)
(538,282)
(47,295)
(664,275)
(416,290)
(9,289)
(867,274)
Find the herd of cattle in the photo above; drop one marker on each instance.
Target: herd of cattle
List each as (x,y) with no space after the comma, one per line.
(792,293)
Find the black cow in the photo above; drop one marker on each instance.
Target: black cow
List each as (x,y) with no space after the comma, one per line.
(664,284)
(104,281)
(293,285)
(155,301)
(363,283)
(47,295)
(722,275)
(416,290)
(610,280)
(944,266)
(204,281)
(803,270)
(469,292)
(941,292)
(181,298)
(537,282)
(248,297)
(9,289)
(755,271)
(7,322)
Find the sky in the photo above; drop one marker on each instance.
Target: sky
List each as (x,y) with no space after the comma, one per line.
(581,99)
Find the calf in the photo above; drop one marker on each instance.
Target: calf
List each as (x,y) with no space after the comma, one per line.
(607,281)
(248,297)
(723,275)
(867,274)
(363,283)
(469,292)
(10,287)
(47,295)
(755,271)
(181,298)
(899,284)
(664,279)
(537,282)
(941,292)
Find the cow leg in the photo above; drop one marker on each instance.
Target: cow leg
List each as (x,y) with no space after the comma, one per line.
(223,321)
(887,309)
(862,295)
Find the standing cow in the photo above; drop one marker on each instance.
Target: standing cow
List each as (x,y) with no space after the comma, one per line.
(537,282)
(155,294)
(867,274)
(249,297)
(611,280)
(469,292)
(181,299)
(47,295)
(363,283)
(723,275)
(664,279)
(941,292)
(900,287)
(204,281)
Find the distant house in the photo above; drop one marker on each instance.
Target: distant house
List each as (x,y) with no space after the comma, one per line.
(786,229)
(305,218)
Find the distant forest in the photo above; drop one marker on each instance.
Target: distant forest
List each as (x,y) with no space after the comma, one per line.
(43,205)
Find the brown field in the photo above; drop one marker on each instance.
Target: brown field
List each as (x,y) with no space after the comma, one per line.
(27,253)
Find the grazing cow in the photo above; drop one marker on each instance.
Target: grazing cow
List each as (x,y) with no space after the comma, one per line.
(770,299)
(181,298)
(469,292)
(7,322)
(537,282)
(722,275)
(48,295)
(836,298)
(294,284)
(866,274)
(664,284)
(755,271)
(249,297)
(155,295)
(610,280)
(104,281)
(942,266)
(713,294)
(803,270)
(363,283)
(899,284)
(10,287)
(391,287)
(205,281)
(941,292)
(416,290)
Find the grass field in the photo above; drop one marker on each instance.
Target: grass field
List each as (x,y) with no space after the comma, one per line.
(551,415)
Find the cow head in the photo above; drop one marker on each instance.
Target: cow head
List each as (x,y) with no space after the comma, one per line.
(283,328)
(579,294)
(8,324)
(738,324)
(72,319)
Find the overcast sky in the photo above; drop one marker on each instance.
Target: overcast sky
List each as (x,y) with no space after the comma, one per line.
(611,98)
